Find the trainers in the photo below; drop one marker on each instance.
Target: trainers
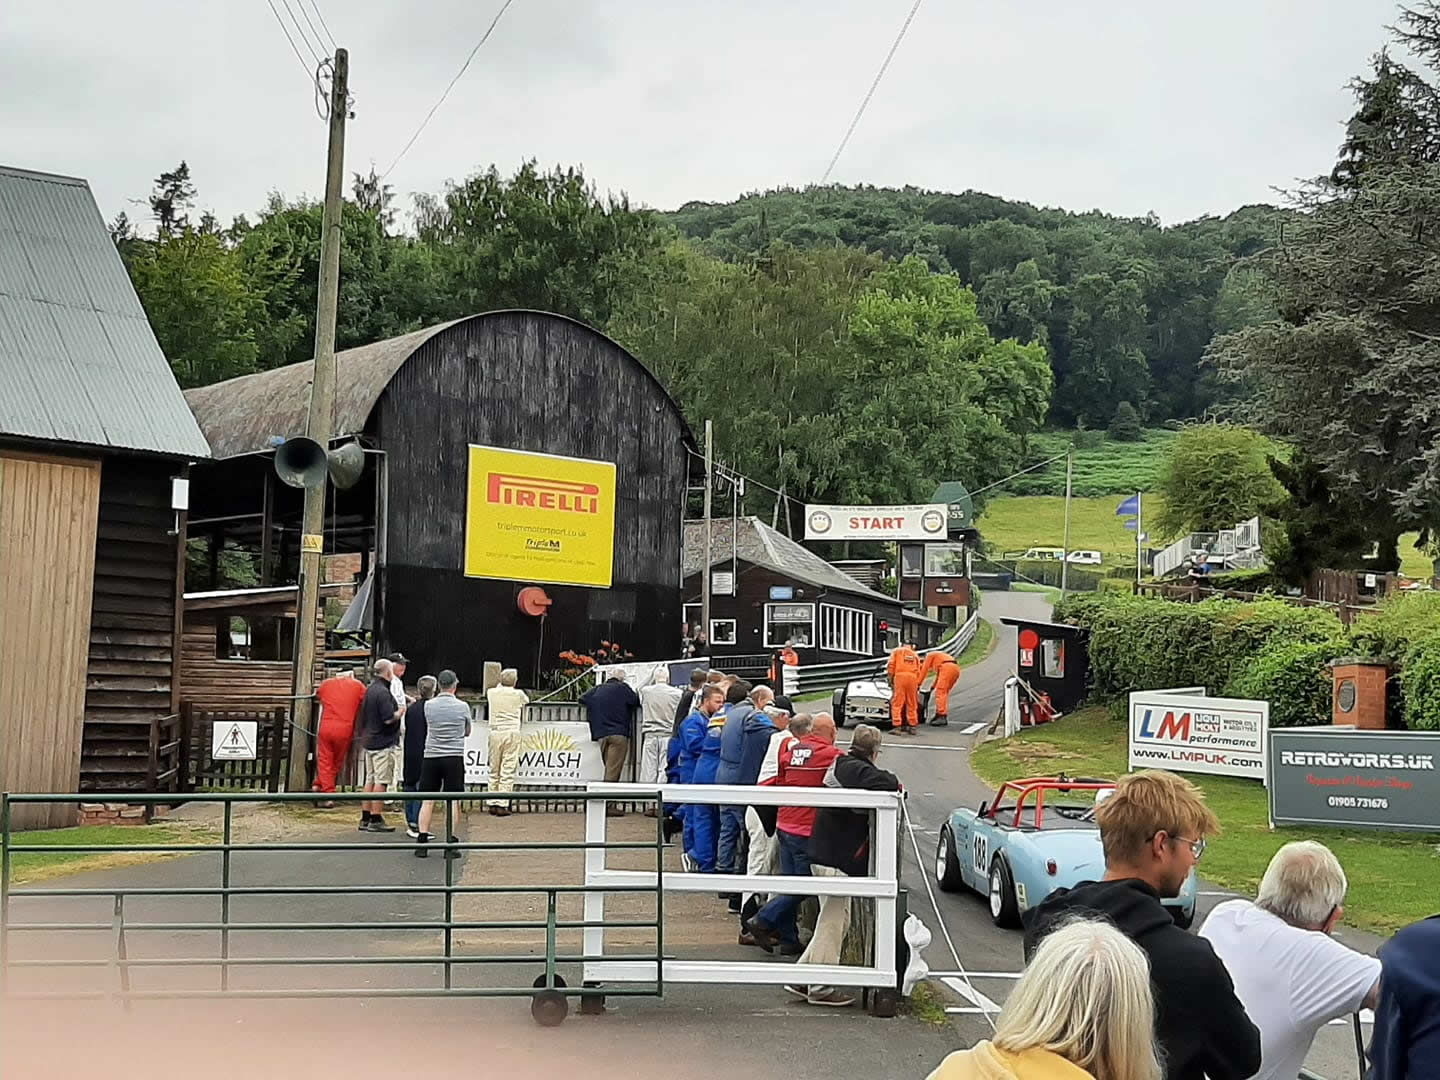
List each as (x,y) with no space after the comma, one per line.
(687,864)
(364,825)
(412,831)
(798,991)
(378,825)
(829,995)
(421,846)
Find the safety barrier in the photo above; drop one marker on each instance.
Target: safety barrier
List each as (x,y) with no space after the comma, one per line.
(882,886)
(813,677)
(548,992)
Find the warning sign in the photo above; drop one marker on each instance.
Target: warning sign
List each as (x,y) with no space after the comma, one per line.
(233,740)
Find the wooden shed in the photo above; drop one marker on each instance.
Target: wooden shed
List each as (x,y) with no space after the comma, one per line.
(93,433)
(766,589)
(597,445)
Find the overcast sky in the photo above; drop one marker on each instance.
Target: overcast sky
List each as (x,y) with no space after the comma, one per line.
(1125,105)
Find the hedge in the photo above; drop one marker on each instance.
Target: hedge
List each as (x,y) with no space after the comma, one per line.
(1145,643)
(1420,683)
(1294,677)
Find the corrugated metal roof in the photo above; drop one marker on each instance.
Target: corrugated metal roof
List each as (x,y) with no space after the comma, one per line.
(758,543)
(81,363)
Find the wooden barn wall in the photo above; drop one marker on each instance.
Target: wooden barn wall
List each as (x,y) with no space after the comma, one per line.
(236,684)
(752,593)
(544,385)
(131,685)
(48,511)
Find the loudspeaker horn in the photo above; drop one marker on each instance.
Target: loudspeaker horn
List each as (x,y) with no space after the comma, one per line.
(346,464)
(301,463)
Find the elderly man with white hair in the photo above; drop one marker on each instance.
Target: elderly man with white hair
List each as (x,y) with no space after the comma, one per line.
(658,702)
(1289,973)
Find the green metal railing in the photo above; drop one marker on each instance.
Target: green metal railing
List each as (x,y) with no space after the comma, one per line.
(549,991)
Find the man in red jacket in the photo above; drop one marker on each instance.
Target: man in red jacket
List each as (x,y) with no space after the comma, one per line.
(340,699)
(803,763)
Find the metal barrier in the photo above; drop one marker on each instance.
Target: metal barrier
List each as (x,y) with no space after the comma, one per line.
(548,992)
(813,677)
(882,886)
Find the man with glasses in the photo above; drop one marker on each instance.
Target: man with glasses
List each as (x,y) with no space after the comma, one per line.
(1291,975)
(1153,829)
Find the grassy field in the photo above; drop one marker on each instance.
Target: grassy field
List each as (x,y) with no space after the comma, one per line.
(1015,523)
(1393,876)
(37,866)
(1102,466)
(981,647)
(1011,523)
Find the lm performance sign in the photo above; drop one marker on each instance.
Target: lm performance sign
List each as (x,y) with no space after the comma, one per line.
(925,522)
(1193,733)
(539,517)
(1355,779)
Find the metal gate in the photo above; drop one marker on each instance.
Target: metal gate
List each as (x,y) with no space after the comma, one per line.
(549,992)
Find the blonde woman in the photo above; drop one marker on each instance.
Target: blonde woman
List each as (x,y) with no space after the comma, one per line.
(1082,1010)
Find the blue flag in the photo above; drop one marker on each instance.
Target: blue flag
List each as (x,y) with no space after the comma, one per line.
(1129,506)
(1130,524)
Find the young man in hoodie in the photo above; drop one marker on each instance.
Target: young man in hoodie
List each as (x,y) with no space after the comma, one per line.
(1153,829)
(746,734)
(840,847)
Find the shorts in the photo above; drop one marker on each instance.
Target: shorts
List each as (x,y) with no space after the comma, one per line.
(443,774)
(380,765)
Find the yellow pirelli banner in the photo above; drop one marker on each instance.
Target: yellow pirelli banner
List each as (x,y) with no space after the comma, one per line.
(539,517)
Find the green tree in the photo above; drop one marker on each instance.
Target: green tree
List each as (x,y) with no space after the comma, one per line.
(1215,476)
(200,304)
(172,198)
(1125,424)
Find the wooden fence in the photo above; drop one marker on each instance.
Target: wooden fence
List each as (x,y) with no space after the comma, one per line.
(198,772)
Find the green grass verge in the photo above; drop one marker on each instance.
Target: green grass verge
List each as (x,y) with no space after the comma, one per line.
(981,647)
(1393,876)
(926,1004)
(37,866)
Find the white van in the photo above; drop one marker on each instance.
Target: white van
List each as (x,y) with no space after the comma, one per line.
(1085,558)
(1043,554)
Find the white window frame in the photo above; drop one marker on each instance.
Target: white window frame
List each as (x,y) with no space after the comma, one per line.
(734,633)
(769,644)
(845,629)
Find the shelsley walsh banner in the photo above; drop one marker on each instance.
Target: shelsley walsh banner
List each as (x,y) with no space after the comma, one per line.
(539,517)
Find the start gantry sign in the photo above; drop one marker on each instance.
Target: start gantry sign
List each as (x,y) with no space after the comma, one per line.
(926,521)
(1192,733)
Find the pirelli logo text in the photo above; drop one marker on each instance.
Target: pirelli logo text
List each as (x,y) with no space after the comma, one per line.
(537,492)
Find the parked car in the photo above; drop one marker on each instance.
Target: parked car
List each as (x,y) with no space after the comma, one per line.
(867,701)
(1085,558)
(1043,554)
(1035,836)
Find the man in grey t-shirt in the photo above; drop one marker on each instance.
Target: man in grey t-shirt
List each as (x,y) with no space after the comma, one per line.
(447,723)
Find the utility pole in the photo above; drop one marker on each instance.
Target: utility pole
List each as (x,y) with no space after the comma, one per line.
(709,539)
(1065,551)
(322,406)
(1139,534)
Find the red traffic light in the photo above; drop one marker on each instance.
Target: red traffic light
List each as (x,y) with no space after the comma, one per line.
(884,626)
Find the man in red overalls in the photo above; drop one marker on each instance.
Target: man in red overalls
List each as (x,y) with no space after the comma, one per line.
(340,699)
(904,672)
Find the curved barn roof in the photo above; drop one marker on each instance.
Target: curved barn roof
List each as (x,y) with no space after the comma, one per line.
(239,416)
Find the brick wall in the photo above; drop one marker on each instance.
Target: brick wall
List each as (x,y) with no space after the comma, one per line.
(94,813)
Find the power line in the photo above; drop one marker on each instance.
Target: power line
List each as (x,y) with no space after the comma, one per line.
(871,92)
(318,39)
(286,31)
(328,36)
(314,52)
(488,31)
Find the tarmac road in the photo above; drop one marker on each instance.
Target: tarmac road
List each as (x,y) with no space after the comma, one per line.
(936,772)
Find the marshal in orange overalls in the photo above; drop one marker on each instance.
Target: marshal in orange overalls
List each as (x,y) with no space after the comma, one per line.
(947,674)
(904,672)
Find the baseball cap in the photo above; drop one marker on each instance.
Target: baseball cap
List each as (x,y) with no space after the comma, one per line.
(397,658)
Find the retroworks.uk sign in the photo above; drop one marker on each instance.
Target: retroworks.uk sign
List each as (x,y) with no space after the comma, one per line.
(1355,779)
(1193,733)
(539,517)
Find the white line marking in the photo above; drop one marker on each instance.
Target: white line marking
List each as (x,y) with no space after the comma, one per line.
(1366,1017)
(972,728)
(975,997)
(1231,895)
(923,746)
(980,974)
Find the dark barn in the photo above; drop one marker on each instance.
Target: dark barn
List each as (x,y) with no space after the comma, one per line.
(511,380)
(767,589)
(93,431)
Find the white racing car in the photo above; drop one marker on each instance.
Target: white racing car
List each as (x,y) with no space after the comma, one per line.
(867,701)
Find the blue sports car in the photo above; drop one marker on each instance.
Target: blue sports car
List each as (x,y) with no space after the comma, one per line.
(1034,837)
